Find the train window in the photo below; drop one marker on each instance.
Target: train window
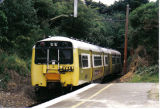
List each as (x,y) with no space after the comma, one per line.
(113,60)
(85,60)
(65,55)
(118,59)
(106,61)
(40,56)
(97,60)
(59,44)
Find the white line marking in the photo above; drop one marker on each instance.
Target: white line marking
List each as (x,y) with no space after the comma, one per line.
(56,100)
(95,94)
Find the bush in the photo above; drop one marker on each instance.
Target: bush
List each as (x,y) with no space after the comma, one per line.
(146,74)
(148,70)
(10,64)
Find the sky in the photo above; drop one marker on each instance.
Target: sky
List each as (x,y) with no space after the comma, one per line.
(110,2)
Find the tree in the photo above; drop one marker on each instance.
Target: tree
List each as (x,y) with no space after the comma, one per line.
(80,27)
(45,11)
(144,31)
(120,6)
(21,17)
(3,23)
(3,30)
(100,7)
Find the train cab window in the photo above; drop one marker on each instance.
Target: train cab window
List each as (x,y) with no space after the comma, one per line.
(40,56)
(85,60)
(97,59)
(106,61)
(66,56)
(46,52)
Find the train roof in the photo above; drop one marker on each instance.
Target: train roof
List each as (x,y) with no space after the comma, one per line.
(115,52)
(82,45)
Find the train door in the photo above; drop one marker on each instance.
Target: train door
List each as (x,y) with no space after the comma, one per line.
(84,66)
(97,60)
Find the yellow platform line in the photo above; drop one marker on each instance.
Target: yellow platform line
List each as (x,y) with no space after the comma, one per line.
(74,106)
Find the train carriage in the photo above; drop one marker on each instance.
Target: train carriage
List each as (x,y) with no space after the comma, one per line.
(71,62)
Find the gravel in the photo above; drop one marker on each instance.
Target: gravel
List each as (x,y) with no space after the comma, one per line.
(18,99)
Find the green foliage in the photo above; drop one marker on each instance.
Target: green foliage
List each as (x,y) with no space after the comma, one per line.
(13,62)
(144,28)
(118,6)
(118,30)
(151,70)
(21,17)
(4,42)
(146,74)
(21,20)
(3,23)
(100,7)
(86,26)
(80,26)
(45,10)
(10,64)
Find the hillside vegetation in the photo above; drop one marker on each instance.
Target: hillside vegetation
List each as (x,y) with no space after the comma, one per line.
(23,22)
(146,74)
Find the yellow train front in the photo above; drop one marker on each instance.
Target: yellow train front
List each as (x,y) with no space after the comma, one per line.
(71,62)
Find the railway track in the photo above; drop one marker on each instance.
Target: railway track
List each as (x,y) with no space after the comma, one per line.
(107,79)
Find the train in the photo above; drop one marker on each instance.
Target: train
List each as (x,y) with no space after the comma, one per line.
(71,62)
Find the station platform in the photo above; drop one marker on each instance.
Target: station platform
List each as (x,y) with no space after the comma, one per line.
(111,95)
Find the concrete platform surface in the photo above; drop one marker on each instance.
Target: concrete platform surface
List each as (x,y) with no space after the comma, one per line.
(114,95)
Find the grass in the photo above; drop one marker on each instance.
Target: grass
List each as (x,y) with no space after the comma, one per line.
(146,74)
(144,78)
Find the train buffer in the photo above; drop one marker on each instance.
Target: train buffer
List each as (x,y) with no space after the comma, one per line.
(111,95)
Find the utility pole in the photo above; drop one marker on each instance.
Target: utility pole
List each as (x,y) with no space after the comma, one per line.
(126,39)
